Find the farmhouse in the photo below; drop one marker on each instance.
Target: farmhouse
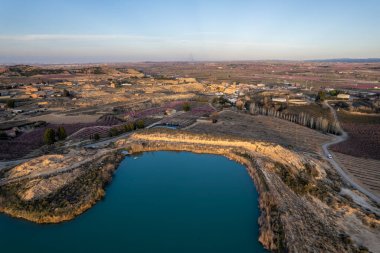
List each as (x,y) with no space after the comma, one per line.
(280,100)
(343,96)
(298,101)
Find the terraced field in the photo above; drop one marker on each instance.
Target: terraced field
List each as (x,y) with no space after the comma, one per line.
(364,171)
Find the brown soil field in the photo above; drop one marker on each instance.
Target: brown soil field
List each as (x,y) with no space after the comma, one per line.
(364,135)
(263,128)
(364,171)
(346,117)
(66,119)
(314,74)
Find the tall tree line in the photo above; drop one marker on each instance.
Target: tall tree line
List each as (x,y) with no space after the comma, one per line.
(318,123)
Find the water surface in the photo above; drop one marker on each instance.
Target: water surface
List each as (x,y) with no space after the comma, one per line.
(158,202)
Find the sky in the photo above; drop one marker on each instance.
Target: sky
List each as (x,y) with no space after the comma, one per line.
(85,31)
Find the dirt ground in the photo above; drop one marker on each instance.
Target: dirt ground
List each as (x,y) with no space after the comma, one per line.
(265,128)
(66,119)
(365,171)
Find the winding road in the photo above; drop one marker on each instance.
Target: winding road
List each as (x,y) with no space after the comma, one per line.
(346,178)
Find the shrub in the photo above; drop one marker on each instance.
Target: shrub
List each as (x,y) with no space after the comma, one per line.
(3,135)
(49,136)
(139,124)
(321,96)
(186,107)
(11,103)
(299,183)
(129,127)
(96,136)
(66,93)
(114,132)
(61,133)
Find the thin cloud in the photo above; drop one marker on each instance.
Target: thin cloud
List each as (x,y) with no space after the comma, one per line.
(127,37)
(74,37)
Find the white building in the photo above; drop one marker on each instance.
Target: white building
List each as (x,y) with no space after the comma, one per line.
(343,96)
(280,100)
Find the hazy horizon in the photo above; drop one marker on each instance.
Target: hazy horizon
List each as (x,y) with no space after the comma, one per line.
(69,32)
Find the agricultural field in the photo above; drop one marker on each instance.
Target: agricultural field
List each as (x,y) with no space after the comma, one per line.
(364,135)
(25,143)
(311,74)
(364,171)
(265,128)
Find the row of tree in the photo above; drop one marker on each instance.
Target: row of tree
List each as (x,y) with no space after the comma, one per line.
(321,124)
(126,128)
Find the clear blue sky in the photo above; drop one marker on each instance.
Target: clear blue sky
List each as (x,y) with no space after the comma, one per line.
(53,31)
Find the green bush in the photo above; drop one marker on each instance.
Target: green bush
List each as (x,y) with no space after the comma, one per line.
(49,136)
(61,133)
(3,135)
(66,93)
(114,132)
(129,127)
(11,103)
(140,124)
(300,183)
(321,96)
(186,107)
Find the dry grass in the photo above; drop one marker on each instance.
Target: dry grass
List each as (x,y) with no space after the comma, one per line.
(265,128)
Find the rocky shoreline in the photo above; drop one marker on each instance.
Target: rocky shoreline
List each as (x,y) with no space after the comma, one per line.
(54,201)
(298,196)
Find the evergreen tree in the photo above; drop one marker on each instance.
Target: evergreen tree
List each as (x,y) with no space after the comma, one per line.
(49,136)
(11,103)
(61,133)
(140,124)
(186,107)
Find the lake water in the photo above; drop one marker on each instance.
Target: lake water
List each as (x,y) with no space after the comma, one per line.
(157,202)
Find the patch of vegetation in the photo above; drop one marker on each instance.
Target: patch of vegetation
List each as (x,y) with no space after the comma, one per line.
(11,103)
(66,93)
(3,135)
(300,183)
(277,228)
(140,124)
(115,131)
(98,71)
(129,127)
(61,133)
(30,71)
(186,107)
(321,96)
(49,136)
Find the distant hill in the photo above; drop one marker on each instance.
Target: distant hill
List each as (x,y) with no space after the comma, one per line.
(348,60)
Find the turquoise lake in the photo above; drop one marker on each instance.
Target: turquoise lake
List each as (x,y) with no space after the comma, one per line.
(157,202)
